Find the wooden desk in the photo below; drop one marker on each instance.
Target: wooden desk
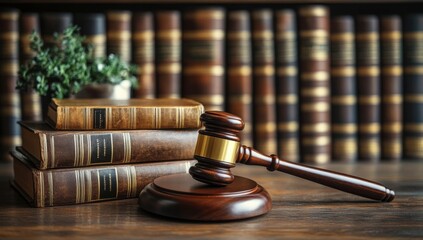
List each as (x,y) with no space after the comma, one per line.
(301,210)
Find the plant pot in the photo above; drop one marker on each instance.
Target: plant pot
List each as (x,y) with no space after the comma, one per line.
(119,91)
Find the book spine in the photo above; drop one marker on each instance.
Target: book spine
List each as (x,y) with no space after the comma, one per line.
(368,87)
(391,87)
(168,54)
(239,62)
(413,86)
(314,84)
(343,98)
(265,137)
(9,97)
(30,100)
(93,27)
(54,22)
(94,184)
(78,149)
(143,53)
(89,118)
(286,84)
(203,37)
(118,34)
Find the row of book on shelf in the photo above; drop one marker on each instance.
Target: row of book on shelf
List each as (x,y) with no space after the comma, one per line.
(308,85)
(74,158)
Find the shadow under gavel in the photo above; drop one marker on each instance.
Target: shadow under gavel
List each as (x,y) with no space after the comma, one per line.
(218,149)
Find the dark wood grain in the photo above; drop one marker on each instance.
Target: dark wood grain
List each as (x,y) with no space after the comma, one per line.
(301,210)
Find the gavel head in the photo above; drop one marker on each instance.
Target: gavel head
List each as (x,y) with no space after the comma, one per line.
(217,148)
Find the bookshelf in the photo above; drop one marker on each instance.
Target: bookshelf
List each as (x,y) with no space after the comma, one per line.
(309,128)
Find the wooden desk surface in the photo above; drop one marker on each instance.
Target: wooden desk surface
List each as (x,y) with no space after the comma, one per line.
(301,210)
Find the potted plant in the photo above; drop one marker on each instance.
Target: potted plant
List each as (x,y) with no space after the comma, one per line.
(68,66)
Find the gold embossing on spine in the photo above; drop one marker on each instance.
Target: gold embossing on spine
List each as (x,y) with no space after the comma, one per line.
(50,188)
(52,151)
(217,148)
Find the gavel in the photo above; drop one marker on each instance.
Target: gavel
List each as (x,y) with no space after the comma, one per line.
(218,149)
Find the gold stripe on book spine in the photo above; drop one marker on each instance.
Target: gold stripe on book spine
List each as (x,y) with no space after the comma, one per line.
(369,100)
(267,70)
(392,71)
(119,35)
(343,100)
(126,147)
(208,35)
(168,34)
(244,71)
(392,99)
(315,107)
(241,98)
(416,98)
(316,128)
(52,151)
(216,70)
(346,128)
(342,37)
(315,92)
(394,35)
(9,16)
(314,11)
(89,149)
(369,128)
(342,71)
(369,147)
(413,70)
(370,71)
(315,76)
(373,36)
(134,181)
(287,99)
(76,149)
(314,34)
(44,151)
(119,16)
(265,127)
(240,35)
(316,158)
(413,147)
(265,99)
(289,71)
(395,127)
(206,15)
(288,126)
(414,127)
(344,146)
(263,35)
(169,68)
(143,36)
(413,35)
(78,187)
(50,188)
(9,36)
(285,35)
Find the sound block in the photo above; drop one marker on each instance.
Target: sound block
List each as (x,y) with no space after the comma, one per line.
(180,196)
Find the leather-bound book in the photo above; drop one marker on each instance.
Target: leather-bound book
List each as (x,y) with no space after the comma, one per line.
(413,86)
(68,186)
(93,27)
(287,84)
(238,75)
(368,87)
(265,136)
(143,53)
(203,36)
(60,149)
(391,87)
(54,22)
(30,100)
(315,142)
(118,34)
(343,89)
(168,53)
(108,114)
(9,97)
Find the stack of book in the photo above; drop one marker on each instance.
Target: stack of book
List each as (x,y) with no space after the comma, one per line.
(92,150)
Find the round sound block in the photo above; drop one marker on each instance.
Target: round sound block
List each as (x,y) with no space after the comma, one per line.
(180,196)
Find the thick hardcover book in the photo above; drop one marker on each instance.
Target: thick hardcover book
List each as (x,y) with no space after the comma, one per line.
(54,22)
(391,87)
(143,53)
(30,100)
(108,114)
(93,27)
(67,186)
(118,34)
(9,97)
(413,86)
(265,136)
(60,149)
(203,36)
(168,53)
(315,130)
(368,87)
(343,98)
(239,80)
(286,84)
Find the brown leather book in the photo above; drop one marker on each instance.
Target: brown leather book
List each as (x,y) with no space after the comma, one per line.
(391,87)
(168,53)
(59,149)
(98,114)
(67,186)
(54,22)
(413,86)
(265,137)
(287,84)
(9,65)
(118,34)
(203,36)
(315,141)
(239,79)
(368,87)
(343,88)
(93,27)
(30,100)
(143,53)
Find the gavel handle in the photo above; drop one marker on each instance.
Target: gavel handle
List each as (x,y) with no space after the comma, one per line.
(343,182)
